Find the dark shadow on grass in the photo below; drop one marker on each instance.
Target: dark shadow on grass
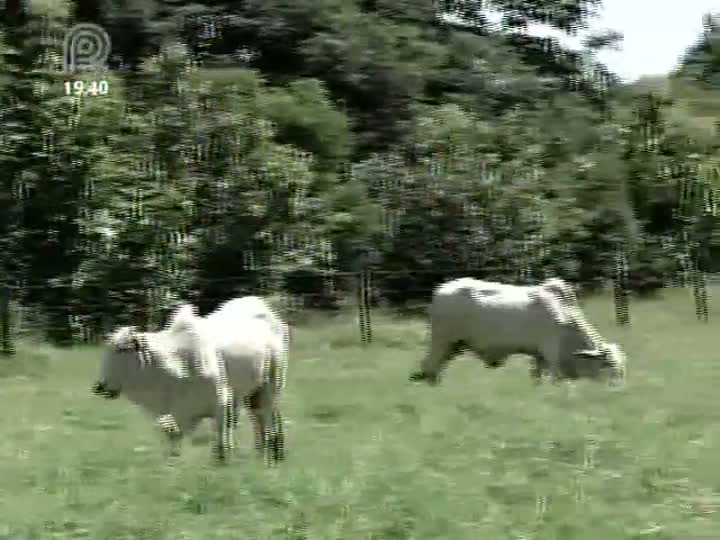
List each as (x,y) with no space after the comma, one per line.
(568,451)
(329,414)
(407,410)
(414,311)
(474,410)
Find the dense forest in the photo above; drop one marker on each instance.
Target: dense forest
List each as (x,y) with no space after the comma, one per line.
(285,146)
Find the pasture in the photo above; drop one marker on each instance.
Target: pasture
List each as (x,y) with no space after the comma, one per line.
(372,456)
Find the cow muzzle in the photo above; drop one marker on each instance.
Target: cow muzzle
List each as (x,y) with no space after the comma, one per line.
(101,389)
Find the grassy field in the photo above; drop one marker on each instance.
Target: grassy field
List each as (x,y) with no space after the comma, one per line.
(371,456)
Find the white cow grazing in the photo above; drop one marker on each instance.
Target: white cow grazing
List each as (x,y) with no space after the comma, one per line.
(496,320)
(195,369)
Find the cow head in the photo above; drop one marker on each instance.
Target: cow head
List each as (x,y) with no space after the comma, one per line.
(608,361)
(125,355)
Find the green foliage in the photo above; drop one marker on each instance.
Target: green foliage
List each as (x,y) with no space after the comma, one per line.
(277,146)
(305,118)
(702,61)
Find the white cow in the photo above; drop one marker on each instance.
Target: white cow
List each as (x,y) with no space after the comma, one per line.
(496,320)
(238,309)
(196,368)
(254,307)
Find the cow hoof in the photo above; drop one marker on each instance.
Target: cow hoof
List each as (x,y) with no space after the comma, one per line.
(221,456)
(432,380)
(276,448)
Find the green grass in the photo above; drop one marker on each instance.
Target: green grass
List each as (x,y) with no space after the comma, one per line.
(372,456)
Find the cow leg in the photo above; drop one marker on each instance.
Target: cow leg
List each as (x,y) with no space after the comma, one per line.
(555,374)
(171,430)
(440,355)
(252,404)
(224,421)
(235,412)
(538,366)
(277,436)
(552,361)
(536,370)
(268,422)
